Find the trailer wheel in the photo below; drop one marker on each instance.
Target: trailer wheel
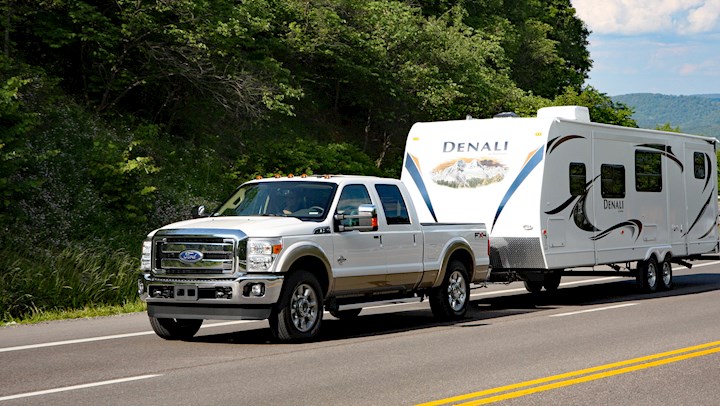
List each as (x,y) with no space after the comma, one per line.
(666,274)
(298,315)
(450,300)
(345,314)
(175,329)
(648,275)
(533,286)
(552,281)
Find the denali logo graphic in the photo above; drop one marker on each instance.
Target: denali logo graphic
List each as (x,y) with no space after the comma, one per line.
(190,256)
(468,172)
(613,204)
(475,146)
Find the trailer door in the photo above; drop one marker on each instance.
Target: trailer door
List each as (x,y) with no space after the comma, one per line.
(700,228)
(678,171)
(625,218)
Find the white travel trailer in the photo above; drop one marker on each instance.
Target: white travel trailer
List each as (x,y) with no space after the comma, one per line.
(559,192)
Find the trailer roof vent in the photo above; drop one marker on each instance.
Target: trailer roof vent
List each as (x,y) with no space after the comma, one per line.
(577,113)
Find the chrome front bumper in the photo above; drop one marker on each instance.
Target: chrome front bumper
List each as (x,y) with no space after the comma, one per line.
(244,290)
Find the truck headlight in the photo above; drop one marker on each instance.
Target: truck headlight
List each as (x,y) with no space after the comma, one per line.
(146,256)
(261,253)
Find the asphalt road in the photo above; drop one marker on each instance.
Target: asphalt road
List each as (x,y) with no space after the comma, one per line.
(594,342)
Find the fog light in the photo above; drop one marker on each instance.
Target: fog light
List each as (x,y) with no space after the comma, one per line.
(258,289)
(141,287)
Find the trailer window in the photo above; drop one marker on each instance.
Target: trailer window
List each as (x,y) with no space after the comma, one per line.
(612,181)
(393,204)
(699,160)
(648,171)
(577,178)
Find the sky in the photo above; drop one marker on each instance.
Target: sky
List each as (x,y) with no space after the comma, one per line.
(653,46)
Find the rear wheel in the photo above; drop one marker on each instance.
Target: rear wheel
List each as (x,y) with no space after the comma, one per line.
(450,300)
(299,313)
(345,314)
(666,275)
(175,329)
(647,275)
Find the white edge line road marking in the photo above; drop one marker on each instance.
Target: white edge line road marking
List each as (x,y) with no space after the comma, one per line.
(102,338)
(112,337)
(597,309)
(75,387)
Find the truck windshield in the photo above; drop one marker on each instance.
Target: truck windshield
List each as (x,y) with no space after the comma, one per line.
(304,200)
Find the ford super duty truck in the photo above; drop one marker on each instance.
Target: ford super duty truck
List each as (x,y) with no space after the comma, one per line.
(286,249)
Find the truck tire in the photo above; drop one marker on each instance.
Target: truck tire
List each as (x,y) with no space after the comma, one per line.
(450,300)
(175,329)
(666,274)
(299,313)
(648,275)
(345,314)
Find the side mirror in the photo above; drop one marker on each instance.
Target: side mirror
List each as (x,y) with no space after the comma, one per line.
(364,220)
(198,211)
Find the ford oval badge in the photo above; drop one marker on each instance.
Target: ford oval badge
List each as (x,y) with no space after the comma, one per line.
(190,256)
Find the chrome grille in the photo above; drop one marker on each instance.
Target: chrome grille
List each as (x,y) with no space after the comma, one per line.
(218,255)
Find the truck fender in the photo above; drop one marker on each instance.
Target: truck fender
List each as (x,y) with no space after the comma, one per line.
(451,248)
(308,250)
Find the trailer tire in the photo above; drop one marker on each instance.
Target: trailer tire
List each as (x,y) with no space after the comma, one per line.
(648,275)
(175,329)
(299,313)
(345,314)
(551,283)
(533,286)
(450,300)
(666,274)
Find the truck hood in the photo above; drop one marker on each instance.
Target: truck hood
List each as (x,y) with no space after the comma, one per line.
(252,226)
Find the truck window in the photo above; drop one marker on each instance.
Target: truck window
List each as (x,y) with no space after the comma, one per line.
(577,178)
(648,171)
(393,204)
(351,198)
(612,181)
(699,163)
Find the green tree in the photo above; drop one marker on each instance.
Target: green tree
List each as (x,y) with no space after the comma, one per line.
(602,108)
(668,127)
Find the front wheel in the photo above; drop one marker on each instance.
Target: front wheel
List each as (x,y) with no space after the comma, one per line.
(299,313)
(175,329)
(450,300)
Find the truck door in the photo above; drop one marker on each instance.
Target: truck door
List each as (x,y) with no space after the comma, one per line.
(401,241)
(358,263)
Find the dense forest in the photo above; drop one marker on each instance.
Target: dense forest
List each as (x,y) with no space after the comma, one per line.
(116,116)
(696,114)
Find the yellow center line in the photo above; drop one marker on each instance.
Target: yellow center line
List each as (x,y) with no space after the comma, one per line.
(689,352)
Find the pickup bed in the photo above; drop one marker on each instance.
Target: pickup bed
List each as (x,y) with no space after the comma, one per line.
(286,249)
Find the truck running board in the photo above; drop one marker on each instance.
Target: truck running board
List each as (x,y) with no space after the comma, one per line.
(380,303)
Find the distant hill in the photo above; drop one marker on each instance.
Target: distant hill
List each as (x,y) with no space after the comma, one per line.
(695,114)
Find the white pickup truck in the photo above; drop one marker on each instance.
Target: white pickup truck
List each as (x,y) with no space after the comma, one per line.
(285,249)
